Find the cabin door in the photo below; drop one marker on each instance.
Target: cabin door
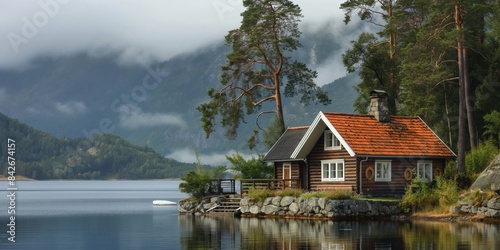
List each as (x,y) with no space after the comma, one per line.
(287,174)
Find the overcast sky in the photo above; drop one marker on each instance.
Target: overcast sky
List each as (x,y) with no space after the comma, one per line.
(141,32)
(138,31)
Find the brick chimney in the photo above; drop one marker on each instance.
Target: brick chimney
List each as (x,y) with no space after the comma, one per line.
(378,106)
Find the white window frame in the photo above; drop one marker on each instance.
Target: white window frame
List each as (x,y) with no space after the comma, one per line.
(427,168)
(336,171)
(331,141)
(379,164)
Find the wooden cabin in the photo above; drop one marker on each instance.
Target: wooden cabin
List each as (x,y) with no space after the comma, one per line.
(374,154)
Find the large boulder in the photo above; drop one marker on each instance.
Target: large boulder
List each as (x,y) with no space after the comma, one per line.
(489,179)
(254,209)
(286,201)
(270,209)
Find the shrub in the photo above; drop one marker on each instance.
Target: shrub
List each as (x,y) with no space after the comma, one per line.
(478,197)
(420,196)
(448,192)
(492,126)
(254,168)
(258,194)
(479,158)
(437,195)
(450,170)
(197,183)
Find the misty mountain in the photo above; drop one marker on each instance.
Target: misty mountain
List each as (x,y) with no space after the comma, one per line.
(155,105)
(40,155)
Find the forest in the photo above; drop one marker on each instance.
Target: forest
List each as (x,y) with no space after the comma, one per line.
(39,155)
(436,59)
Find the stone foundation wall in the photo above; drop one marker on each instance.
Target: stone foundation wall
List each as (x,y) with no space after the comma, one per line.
(490,208)
(298,207)
(318,207)
(200,207)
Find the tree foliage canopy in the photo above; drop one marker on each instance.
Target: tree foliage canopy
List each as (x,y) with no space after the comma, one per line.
(253,168)
(259,68)
(436,59)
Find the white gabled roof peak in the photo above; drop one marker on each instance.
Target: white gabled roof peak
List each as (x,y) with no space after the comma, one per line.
(316,129)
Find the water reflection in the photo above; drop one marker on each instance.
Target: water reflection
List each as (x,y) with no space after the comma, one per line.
(209,232)
(253,233)
(441,235)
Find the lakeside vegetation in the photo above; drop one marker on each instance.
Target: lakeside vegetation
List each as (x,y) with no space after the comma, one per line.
(261,194)
(434,197)
(42,156)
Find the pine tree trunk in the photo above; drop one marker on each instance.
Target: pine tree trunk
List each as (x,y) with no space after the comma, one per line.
(469,98)
(279,105)
(393,44)
(461,118)
(461,96)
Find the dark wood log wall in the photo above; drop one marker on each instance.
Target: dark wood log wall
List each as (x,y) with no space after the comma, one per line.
(314,159)
(278,169)
(397,185)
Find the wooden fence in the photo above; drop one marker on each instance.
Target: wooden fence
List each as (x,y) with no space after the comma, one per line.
(228,186)
(223,186)
(271,184)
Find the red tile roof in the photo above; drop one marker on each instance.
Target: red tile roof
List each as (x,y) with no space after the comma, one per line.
(402,136)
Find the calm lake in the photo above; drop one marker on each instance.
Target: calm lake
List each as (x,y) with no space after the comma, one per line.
(119,215)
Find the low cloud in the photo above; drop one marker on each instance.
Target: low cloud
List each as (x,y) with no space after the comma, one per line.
(32,110)
(215,159)
(132,117)
(135,31)
(331,70)
(71,108)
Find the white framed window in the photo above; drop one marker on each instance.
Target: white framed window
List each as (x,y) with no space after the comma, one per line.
(332,170)
(383,170)
(424,170)
(331,141)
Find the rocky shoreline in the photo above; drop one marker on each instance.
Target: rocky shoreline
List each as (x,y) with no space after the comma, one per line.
(487,209)
(290,207)
(296,207)
(328,209)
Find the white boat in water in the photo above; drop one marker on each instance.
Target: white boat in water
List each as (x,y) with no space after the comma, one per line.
(163,203)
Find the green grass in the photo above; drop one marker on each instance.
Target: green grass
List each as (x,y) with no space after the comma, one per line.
(261,194)
(391,199)
(290,192)
(257,194)
(477,197)
(333,194)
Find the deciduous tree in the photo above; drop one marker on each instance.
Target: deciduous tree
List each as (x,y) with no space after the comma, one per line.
(253,168)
